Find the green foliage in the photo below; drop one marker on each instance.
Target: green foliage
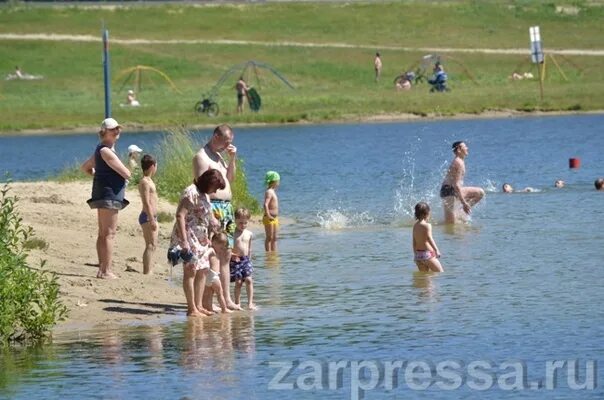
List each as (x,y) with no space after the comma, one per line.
(35,243)
(72,173)
(30,304)
(174,173)
(163,216)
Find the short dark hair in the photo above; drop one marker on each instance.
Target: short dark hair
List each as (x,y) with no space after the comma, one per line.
(242,213)
(456,145)
(599,183)
(147,162)
(422,210)
(211,177)
(223,130)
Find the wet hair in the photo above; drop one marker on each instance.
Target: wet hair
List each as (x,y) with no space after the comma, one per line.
(147,162)
(456,145)
(422,210)
(242,213)
(207,180)
(599,183)
(504,185)
(220,238)
(223,130)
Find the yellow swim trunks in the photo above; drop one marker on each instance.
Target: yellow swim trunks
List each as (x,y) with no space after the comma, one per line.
(267,221)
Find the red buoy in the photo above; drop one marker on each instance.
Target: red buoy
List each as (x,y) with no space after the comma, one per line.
(574,163)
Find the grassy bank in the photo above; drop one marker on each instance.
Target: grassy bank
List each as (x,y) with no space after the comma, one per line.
(331,83)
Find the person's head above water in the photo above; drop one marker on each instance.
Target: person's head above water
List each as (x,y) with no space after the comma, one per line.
(559,183)
(460,148)
(507,188)
(422,211)
(599,184)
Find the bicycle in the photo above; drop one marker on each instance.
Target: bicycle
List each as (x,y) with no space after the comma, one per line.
(207,106)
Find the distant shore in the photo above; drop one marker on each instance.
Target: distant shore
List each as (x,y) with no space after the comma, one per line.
(380,118)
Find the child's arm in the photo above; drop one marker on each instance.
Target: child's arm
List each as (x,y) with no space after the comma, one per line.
(432,242)
(214,262)
(268,195)
(145,191)
(249,246)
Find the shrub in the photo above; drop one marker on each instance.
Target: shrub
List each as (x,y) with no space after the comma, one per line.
(30,304)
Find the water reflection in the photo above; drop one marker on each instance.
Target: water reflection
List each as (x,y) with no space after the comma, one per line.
(423,281)
(272,259)
(214,344)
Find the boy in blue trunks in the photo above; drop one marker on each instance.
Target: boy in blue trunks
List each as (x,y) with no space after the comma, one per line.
(148,216)
(241,266)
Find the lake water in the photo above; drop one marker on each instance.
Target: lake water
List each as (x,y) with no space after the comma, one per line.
(522,281)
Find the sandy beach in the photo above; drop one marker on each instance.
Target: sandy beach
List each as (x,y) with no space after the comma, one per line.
(59,215)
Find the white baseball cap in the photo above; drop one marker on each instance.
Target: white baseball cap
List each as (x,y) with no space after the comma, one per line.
(134,149)
(109,123)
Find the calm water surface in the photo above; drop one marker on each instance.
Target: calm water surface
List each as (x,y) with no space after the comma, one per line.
(523,279)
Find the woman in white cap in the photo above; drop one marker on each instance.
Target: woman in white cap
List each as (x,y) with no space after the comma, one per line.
(133,153)
(108,191)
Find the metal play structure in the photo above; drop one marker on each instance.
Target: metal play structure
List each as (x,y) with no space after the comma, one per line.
(142,75)
(422,69)
(250,71)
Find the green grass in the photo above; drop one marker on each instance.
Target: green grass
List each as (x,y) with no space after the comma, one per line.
(331,83)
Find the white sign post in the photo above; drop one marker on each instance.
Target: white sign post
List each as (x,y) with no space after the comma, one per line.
(537,54)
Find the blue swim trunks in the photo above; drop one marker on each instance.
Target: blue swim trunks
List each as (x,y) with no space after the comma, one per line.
(223,211)
(143,218)
(240,268)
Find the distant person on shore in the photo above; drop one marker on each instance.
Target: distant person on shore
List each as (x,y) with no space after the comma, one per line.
(426,253)
(20,75)
(599,184)
(559,184)
(270,220)
(220,245)
(403,81)
(210,157)
(108,190)
(242,89)
(452,186)
(148,216)
(194,222)
(133,153)
(131,99)
(377,66)
(241,259)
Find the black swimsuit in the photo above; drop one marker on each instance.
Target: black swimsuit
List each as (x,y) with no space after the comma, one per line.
(447,191)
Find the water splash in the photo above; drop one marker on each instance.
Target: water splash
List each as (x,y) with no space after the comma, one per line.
(415,186)
(336,219)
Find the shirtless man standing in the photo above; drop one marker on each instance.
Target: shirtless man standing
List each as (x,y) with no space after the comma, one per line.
(452,186)
(241,88)
(210,157)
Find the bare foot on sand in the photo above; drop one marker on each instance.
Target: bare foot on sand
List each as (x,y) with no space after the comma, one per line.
(106,275)
(194,314)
